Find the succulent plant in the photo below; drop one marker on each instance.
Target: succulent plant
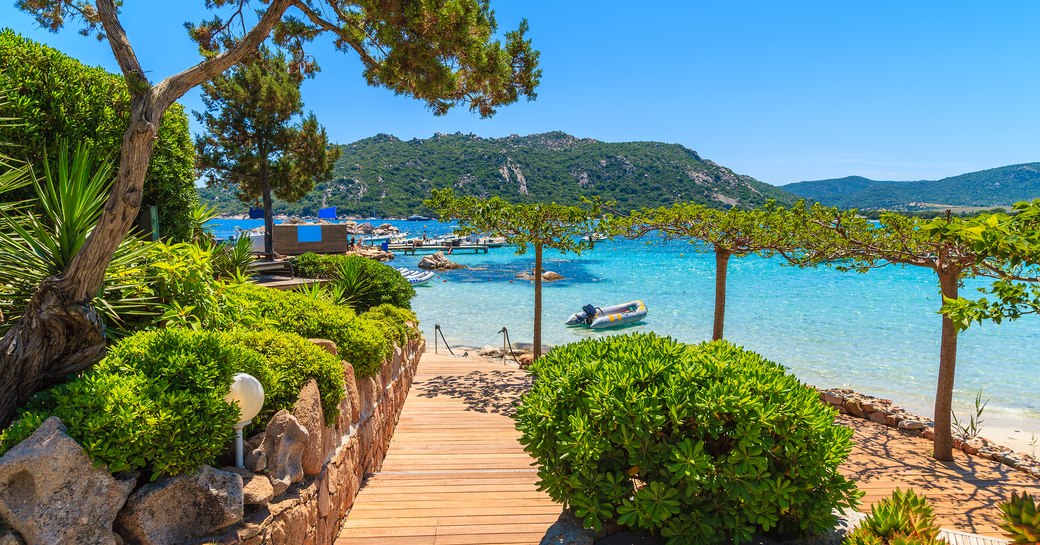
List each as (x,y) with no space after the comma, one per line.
(904,519)
(1021,519)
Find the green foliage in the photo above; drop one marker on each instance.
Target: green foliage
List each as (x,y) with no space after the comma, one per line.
(359,282)
(58,97)
(903,519)
(400,324)
(360,341)
(253,141)
(698,444)
(388,177)
(232,259)
(288,362)
(993,187)
(156,402)
(181,279)
(1021,519)
(973,426)
(36,246)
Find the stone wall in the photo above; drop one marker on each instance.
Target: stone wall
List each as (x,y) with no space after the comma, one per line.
(311,511)
(884,412)
(300,479)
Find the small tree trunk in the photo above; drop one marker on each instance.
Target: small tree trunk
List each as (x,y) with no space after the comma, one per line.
(537,300)
(721,266)
(268,214)
(942,446)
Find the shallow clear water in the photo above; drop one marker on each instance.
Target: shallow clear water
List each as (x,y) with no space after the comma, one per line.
(876,332)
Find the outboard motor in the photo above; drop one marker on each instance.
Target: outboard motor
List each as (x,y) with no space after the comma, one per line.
(590,313)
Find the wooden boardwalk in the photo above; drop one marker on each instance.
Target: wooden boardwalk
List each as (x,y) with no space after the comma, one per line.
(455,472)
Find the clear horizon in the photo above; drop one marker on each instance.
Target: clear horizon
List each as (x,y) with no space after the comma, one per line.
(780,92)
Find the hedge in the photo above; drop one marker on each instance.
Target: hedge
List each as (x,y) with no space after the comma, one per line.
(58,97)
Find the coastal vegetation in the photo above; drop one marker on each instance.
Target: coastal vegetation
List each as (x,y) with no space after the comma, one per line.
(388,177)
(56,98)
(540,225)
(695,443)
(428,53)
(357,281)
(904,518)
(253,142)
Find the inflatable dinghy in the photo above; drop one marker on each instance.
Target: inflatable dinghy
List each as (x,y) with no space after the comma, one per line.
(612,316)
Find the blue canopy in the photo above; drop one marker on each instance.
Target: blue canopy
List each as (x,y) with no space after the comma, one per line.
(256,213)
(327,213)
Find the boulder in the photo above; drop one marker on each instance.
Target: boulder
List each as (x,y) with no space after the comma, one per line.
(547,276)
(350,384)
(438,262)
(489,351)
(568,530)
(525,360)
(256,488)
(51,493)
(326,345)
(8,536)
(308,411)
(179,509)
(283,447)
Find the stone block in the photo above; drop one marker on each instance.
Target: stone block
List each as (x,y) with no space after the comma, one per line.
(326,345)
(309,413)
(180,509)
(51,493)
(283,446)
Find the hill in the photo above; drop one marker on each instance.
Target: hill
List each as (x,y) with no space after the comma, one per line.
(389,177)
(987,188)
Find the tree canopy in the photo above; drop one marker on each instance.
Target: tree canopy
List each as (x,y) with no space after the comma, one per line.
(253,143)
(441,51)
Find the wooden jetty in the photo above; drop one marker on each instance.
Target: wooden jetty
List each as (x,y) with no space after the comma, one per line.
(412,248)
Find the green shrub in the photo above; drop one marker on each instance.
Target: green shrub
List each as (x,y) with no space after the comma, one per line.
(399,324)
(359,340)
(288,362)
(903,519)
(57,96)
(698,444)
(364,283)
(181,280)
(1021,519)
(156,402)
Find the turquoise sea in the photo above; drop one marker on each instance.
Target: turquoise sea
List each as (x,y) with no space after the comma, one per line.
(876,332)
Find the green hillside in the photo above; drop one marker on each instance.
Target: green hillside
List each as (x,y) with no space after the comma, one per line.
(388,177)
(994,187)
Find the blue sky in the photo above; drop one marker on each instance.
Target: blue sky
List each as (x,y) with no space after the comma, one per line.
(782,91)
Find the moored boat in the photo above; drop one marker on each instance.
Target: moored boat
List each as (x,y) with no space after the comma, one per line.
(415,278)
(612,316)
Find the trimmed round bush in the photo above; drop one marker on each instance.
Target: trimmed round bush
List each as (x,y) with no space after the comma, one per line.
(364,282)
(288,362)
(359,340)
(156,402)
(695,443)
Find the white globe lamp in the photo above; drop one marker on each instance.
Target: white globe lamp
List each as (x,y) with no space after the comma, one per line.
(249,394)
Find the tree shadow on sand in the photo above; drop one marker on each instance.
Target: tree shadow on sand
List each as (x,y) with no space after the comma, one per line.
(491,392)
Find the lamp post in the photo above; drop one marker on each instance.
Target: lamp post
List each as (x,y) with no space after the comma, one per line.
(249,394)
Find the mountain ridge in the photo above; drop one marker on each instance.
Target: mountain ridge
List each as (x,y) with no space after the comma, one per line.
(383,175)
(1000,186)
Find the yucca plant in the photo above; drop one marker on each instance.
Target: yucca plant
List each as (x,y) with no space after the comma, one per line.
(354,284)
(905,518)
(1021,519)
(231,259)
(40,240)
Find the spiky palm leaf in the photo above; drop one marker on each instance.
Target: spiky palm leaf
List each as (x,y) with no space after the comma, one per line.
(40,242)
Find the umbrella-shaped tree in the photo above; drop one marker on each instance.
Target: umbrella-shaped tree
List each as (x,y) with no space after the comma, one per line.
(945,245)
(540,225)
(726,233)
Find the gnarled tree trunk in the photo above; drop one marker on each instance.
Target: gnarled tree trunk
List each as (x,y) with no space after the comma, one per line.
(60,333)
